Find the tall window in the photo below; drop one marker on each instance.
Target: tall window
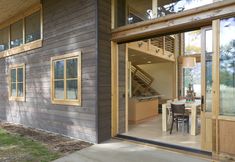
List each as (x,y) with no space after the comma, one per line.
(23,31)
(17,34)
(192,47)
(17,83)
(66,79)
(227,66)
(4,39)
(33,27)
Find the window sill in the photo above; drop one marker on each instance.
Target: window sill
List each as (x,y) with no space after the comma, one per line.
(22,48)
(63,102)
(22,99)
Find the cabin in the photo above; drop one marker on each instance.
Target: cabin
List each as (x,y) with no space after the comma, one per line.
(154,71)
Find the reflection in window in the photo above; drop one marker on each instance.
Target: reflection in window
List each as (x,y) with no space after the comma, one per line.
(4,39)
(17,82)
(193,76)
(192,42)
(208,63)
(17,34)
(66,80)
(175,6)
(227,66)
(32,27)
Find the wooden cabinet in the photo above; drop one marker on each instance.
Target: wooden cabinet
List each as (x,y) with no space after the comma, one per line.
(142,110)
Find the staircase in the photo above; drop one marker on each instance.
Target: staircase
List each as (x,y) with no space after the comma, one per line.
(141,82)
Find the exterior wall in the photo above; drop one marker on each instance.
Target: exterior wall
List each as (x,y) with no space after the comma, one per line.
(104,70)
(68,26)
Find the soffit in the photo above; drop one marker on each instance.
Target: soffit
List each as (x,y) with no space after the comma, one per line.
(9,8)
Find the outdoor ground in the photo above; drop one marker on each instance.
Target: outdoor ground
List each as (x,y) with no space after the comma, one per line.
(20,144)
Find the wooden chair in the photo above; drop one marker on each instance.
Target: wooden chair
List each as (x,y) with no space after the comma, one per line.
(179,115)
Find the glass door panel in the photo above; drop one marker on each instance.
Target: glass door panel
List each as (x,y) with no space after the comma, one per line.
(227,66)
(208,70)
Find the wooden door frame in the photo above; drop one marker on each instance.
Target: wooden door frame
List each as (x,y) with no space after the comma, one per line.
(115,89)
(180,22)
(204,115)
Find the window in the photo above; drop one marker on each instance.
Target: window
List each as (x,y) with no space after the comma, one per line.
(24,34)
(16,34)
(4,39)
(227,66)
(32,27)
(66,79)
(17,83)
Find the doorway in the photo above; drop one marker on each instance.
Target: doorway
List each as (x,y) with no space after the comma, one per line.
(147,68)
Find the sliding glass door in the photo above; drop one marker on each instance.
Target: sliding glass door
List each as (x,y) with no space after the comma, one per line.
(227,67)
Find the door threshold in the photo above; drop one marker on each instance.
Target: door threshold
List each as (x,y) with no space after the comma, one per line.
(173,147)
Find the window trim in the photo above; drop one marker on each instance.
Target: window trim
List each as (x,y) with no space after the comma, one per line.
(66,57)
(16,98)
(25,46)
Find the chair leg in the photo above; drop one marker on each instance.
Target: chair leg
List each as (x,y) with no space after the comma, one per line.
(177,124)
(188,125)
(172,122)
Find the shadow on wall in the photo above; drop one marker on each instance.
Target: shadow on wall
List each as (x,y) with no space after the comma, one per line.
(3,90)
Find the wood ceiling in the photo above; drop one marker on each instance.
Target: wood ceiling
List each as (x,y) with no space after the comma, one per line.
(140,58)
(9,8)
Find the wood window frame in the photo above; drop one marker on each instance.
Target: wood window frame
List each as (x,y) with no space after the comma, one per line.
(64,58)
(25,46)
(17,98)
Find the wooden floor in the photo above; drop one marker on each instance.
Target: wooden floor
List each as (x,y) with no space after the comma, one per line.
(151,130)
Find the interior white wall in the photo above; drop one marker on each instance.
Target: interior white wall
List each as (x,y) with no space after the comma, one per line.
(163,77)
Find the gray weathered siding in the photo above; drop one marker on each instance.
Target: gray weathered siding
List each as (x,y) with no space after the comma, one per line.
(68,26)
(104,69)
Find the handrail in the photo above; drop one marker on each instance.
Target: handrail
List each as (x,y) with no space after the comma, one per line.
(145,77)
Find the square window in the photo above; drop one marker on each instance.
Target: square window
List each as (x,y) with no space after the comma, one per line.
(66,79)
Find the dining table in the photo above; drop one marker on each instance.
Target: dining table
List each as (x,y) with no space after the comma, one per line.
(191,106)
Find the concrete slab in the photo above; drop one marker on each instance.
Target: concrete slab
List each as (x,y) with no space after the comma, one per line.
(124,151)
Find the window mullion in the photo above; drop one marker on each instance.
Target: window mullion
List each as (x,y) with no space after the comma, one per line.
(65,79)
(23,30)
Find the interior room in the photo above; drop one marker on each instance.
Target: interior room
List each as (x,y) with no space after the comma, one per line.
(164,86)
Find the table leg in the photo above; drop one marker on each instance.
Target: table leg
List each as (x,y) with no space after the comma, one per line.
(164,118)
(193,120)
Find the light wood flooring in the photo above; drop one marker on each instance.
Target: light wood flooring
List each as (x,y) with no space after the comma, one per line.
(151,130)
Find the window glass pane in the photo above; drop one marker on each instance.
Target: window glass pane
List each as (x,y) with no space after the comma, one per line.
(72,89)
(4,39)
(192,42)
(72,68)
(13,89)
(13,75)
(59,89)
(227,66)
(209,41)
(20,74)
(192,76)
(59,69)
(17,34)
(20,89)
(208,63)
(32,27)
